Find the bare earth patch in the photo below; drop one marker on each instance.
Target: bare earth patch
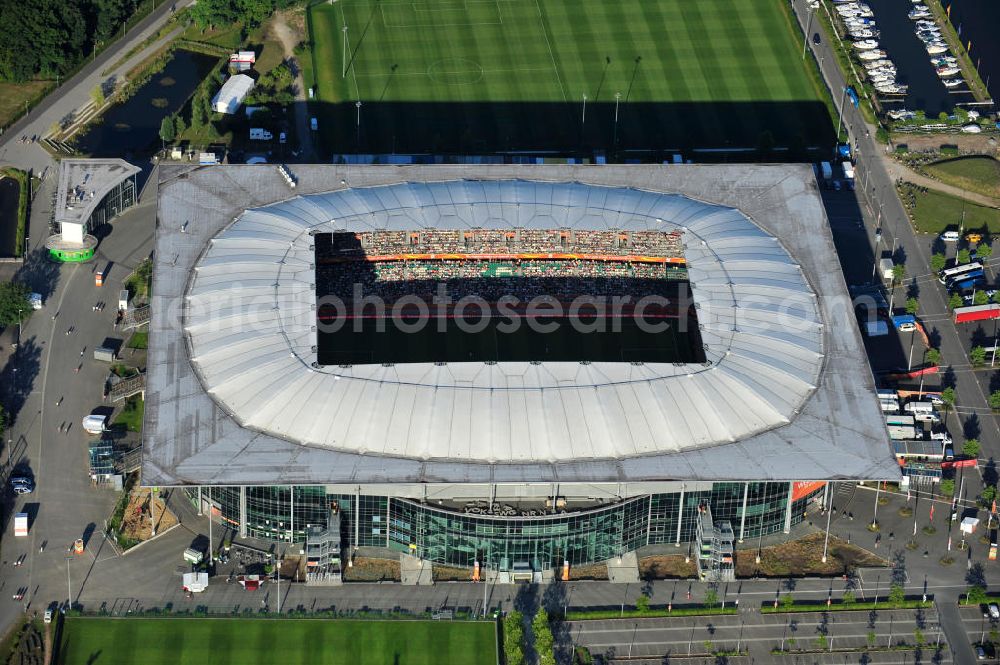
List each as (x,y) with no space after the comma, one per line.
(372,570)
(136,524)
(666,568)
(597,571)
(803,558)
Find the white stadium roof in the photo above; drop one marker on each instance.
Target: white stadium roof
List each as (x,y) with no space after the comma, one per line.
(782,394)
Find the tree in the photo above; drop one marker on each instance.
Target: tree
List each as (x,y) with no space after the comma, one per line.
(896,594)
(912,306)
(938,262)
(544,642)
(513,638)
(971,448)
(980,298)
(871,638)
(955,301)
(848,597)
(168,132)
(711,598)
(962,256)
(787,601)
(933,356)
(898,273)
(948,397)
(988,494)
(977,356)
(995,297)
(984,251)
(995,400)
(14,305)
(642,603)
(179,126)
(947,486)
(975,595)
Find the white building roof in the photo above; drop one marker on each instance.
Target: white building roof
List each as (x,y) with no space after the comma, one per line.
(251,328)
(781,396)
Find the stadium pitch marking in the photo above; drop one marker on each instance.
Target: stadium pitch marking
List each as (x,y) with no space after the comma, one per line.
(455,71)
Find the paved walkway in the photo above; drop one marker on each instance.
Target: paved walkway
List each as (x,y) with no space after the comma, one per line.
(898,170)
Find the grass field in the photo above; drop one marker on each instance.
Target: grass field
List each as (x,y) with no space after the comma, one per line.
(934,212)
(512,74)
(179,641)
(975,174)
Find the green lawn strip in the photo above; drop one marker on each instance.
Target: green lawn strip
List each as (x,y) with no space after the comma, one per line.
(978,174)
(14,96)
(934,212)
(22,206)
(287,641)
(842,607)
(586,615)
(131,414)
(139,340)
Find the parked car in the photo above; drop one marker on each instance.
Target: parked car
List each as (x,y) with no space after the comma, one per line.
(48,616)
(950,236)
(816,38)
(22,485)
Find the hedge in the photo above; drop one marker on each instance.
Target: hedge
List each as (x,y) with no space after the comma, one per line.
(842,607)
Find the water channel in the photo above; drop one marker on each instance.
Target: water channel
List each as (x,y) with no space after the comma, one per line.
(899,39)
(134,126)
(978,22)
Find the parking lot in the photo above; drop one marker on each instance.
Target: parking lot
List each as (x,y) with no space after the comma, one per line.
(758,634)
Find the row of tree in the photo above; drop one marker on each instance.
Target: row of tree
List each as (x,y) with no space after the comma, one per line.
(211,13)
(48,37)
(514,638)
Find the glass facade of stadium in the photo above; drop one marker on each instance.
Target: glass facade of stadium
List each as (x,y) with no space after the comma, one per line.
(443,536)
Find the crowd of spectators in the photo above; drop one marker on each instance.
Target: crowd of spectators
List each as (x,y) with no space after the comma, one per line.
(490,280)
(494,241)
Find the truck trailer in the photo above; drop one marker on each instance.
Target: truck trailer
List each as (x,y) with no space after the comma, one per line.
(977,313)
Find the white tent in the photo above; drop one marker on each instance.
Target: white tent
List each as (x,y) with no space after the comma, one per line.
(231,94)
(195,582)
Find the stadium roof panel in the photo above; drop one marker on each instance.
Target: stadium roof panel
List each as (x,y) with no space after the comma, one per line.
(234,397)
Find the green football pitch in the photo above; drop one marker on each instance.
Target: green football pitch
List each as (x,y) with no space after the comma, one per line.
(500,75)
(177,641)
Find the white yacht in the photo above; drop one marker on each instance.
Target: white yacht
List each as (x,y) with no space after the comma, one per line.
(947,70)
(937,47)
(952,83)
(866,44)
(874,54)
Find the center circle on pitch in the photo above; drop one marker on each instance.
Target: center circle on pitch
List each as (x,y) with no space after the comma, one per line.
(456,71)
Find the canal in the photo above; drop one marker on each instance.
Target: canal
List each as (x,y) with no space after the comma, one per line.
(978,21)
(134,126)
(900,41)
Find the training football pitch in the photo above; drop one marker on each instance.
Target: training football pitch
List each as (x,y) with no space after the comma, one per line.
(288,641)
(533,74)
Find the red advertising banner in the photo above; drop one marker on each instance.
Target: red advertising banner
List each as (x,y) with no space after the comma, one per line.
(801,489)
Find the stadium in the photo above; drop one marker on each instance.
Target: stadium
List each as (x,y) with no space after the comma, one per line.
(503,364)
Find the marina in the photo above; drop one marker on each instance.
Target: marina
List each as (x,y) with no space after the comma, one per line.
(905,59)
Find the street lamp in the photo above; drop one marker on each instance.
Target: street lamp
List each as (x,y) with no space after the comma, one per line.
(343,72)
(583,118)
(805,37)
(618,97)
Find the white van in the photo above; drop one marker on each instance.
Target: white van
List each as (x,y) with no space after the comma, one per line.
(950,236)
(919,407)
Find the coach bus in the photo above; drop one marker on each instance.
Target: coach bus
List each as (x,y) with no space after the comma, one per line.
(957,273)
